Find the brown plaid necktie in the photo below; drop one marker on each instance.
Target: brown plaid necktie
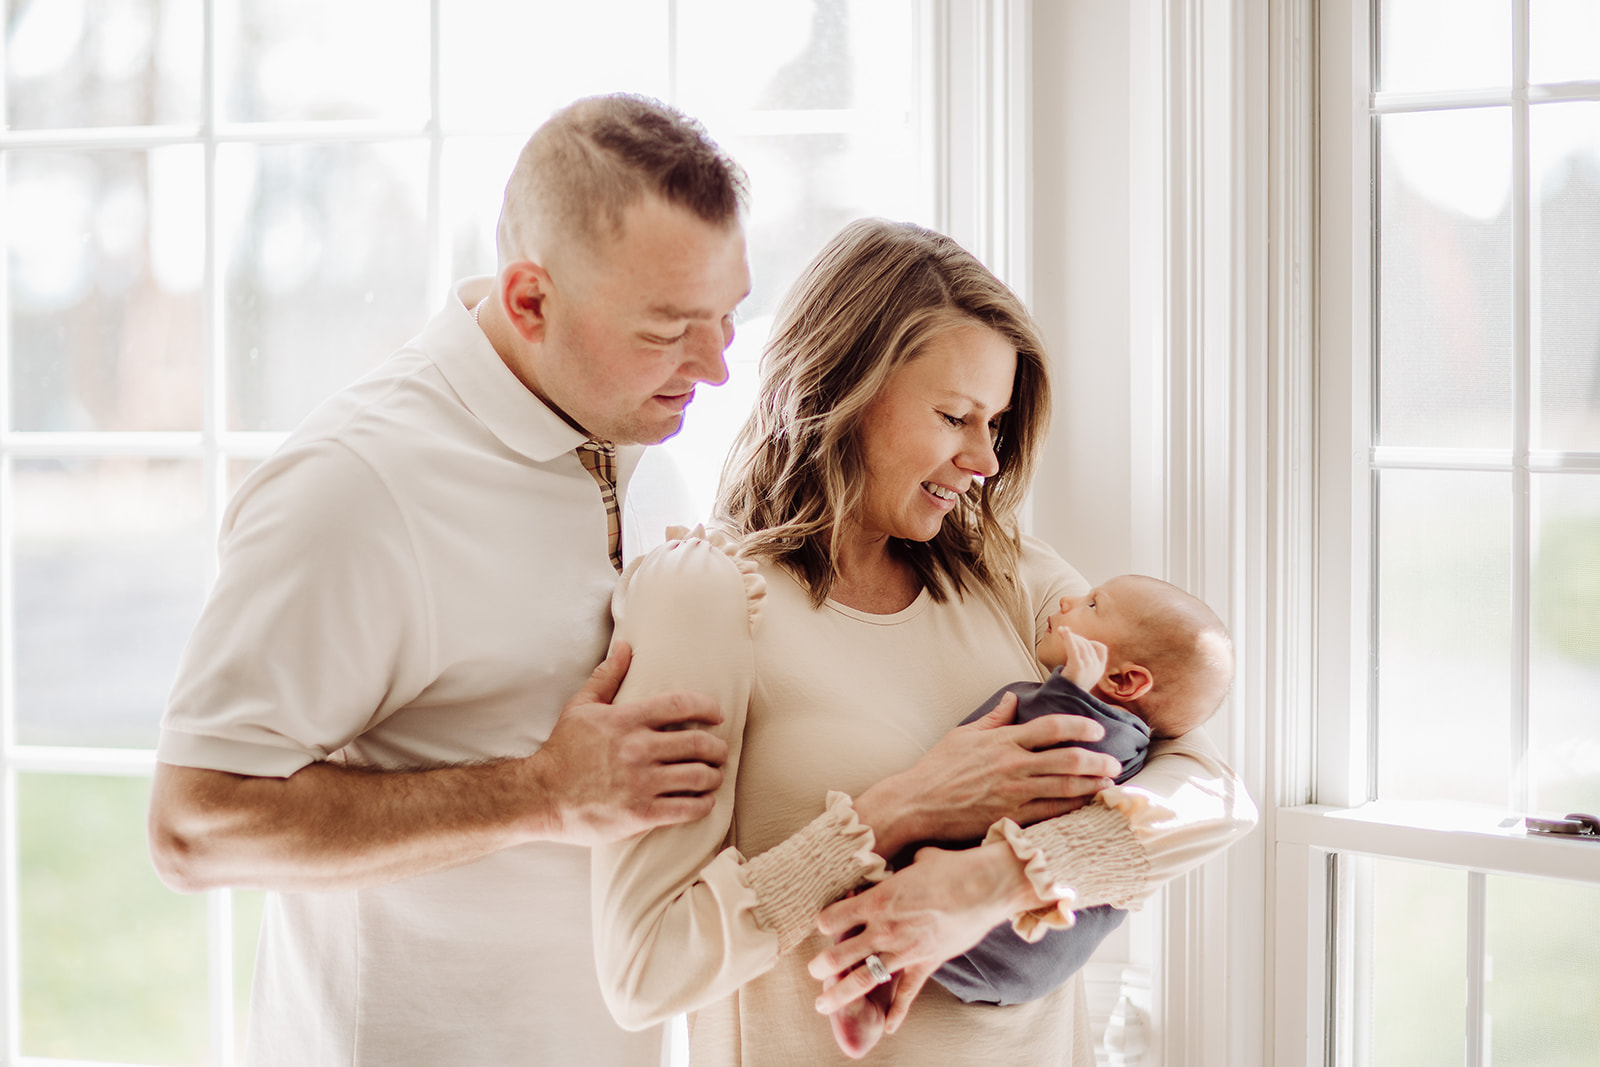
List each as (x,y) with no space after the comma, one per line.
(599,458)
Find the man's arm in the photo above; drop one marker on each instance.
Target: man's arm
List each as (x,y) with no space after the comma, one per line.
(608,771)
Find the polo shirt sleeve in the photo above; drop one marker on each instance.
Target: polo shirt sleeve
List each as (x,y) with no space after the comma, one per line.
(680,920)
(317,626)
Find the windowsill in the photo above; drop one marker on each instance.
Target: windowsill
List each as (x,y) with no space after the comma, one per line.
(1456,835)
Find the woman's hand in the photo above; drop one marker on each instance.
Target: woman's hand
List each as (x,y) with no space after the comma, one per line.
(917,918)
(986,771)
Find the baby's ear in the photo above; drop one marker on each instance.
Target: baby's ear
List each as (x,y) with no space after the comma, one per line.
(1128,682)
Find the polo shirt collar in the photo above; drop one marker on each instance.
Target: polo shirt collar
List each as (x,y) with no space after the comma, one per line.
(456,345)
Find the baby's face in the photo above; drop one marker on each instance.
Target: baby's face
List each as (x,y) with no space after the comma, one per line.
(1107,614)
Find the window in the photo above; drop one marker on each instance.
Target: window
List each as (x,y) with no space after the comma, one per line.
(213,218)
(1456,540)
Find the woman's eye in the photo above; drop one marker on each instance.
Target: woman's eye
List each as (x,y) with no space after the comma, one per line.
(953,420)
(667,340)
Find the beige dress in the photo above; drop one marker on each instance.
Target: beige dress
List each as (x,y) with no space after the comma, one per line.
(717,918)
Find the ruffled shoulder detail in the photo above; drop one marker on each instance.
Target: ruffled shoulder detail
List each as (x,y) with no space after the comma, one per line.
(755,583)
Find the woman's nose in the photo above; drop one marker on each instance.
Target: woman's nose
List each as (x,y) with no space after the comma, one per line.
(980,458)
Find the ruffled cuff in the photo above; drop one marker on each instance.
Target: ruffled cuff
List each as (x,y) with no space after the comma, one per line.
(1076,861)
(755,583)
(795,880)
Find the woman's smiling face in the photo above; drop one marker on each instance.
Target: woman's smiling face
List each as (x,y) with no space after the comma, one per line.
(930,433)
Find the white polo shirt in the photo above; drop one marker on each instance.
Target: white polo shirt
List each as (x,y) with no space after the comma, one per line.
(419,575)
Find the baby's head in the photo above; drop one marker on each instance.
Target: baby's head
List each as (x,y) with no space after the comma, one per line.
(1169,659)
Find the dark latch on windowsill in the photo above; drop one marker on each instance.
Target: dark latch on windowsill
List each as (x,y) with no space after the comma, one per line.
(1575,824)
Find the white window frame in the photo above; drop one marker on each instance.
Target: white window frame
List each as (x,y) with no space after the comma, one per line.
(973,67)
(1315,953)
(1242,409)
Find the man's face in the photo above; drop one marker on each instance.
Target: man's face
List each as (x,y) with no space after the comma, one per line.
(634,324)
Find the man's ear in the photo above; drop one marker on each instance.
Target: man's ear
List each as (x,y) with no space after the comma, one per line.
(1128,682)
(525,289)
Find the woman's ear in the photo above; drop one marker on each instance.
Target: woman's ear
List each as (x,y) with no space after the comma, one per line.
(525,288)
(1129,682)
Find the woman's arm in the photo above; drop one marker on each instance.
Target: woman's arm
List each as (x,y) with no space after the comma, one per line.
(679,920)
(1183,808)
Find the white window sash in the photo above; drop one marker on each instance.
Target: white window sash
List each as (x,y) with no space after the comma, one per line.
(1316,925)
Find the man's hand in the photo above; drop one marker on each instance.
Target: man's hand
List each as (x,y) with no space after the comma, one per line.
(986,771)
(609,771)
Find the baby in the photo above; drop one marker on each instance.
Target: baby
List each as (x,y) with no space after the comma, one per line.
(1147,661)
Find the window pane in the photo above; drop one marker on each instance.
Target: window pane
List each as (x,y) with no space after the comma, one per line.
(296,60)
(1444,44)
(808,191)
(113,965)
(1562,36)
(1543,993)
(1565,142)
(102,63)
(1564,731)
(481,40)
(788,55)
(109,558)
(107,260)
(1444,635)
(1415,990)
(1444,346)
(326,251)
(474,172)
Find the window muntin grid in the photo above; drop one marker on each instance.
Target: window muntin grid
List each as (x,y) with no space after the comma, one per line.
(1486,373)
(1482,483)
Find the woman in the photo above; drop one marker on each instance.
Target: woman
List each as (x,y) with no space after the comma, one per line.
(880,590)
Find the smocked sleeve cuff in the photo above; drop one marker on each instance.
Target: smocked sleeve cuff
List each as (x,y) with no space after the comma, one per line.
(1086,858)
(797,879)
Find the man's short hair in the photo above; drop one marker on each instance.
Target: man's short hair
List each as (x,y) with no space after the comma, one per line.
(580,172)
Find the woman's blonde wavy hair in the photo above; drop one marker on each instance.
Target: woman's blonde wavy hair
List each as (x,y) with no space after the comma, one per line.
(870,303)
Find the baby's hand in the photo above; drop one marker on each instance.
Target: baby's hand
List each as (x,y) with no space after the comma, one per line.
(1083,661)
(858,1026)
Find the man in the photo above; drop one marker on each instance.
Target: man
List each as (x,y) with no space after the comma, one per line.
(369,717)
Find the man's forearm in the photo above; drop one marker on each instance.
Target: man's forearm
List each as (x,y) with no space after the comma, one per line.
(607,771)
(331,827)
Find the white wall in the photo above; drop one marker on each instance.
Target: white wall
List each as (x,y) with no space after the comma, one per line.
(1096,210)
